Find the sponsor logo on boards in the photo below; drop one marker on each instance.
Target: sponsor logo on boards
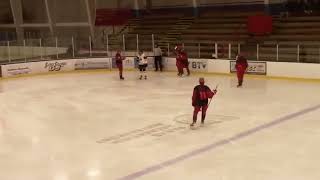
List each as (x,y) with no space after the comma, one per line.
(55,66)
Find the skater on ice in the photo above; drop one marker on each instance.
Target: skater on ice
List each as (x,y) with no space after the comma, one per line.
(241,67)
(201,94)
(143,64)
(119,64)
(181,60)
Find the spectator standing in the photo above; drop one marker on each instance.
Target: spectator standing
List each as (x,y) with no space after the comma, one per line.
(157,58)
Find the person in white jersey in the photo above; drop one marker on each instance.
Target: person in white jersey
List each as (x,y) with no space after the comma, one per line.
(143,64)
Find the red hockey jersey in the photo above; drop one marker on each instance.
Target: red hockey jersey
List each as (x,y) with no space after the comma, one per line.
(119,58)
(241,63)
(201,94)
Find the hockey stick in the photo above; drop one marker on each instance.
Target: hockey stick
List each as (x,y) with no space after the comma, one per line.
(212,98)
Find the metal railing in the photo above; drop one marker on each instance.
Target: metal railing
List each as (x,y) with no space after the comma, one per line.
(130,44)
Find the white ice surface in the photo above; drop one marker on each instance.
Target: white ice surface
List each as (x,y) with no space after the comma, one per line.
(91,126)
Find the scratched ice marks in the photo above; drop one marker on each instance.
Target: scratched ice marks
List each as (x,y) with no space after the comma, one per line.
(153,130)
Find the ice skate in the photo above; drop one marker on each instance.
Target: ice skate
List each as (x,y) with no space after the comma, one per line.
(202,124)
(192,125)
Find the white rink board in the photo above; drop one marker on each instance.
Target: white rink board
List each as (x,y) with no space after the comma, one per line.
(96,63)
(219,66)
(169,64)
(128,63)
(151,65)
(297,70)
(275,69)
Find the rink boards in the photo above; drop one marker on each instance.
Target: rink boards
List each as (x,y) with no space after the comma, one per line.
(273,69)
(11,70)
(270,69)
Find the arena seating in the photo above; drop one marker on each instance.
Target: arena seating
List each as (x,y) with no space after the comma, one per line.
(198,34)
(222,28)
(145,26)
(288,34)
(215,27)
(159,25)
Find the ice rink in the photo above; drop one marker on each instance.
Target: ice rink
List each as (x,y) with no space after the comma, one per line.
(91,126)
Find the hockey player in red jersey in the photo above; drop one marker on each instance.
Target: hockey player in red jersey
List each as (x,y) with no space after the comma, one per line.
(185,61)
(119,64)
(178,60)
(182,60)
(241,67)
(201,94)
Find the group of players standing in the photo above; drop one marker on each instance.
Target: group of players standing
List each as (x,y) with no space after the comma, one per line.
(181,62)
(201,92)
(142,61)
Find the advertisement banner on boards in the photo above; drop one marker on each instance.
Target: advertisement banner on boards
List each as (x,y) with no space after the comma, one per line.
(55,66)
(96,63)
(254,67)
(195,65)
(11,70)
(198,65)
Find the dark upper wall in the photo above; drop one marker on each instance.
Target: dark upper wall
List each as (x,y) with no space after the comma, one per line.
(6,16)
(106,3)
(69,10)
(221,2)
(129,4)
(61,11)
(32,14)
(171,3)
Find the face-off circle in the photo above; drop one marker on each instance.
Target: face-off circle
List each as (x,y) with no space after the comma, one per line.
(210,119)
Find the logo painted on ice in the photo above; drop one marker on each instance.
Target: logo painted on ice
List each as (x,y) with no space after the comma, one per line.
(56,66)
(199,65)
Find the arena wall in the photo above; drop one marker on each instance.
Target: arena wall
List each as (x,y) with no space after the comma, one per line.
(272,69)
